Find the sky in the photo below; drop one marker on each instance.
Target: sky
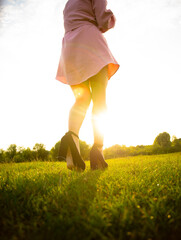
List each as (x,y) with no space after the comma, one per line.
(143,97)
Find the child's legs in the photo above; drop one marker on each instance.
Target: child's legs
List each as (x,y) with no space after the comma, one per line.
(98,85)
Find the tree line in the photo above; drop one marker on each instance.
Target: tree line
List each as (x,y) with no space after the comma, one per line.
(38,153)
(162,144)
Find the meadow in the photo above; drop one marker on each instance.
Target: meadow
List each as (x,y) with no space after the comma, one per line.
(135,198)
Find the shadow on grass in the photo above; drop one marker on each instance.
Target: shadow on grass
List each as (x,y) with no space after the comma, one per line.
(74,204)
(51,206)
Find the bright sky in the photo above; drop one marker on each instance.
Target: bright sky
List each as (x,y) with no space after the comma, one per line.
(143,97)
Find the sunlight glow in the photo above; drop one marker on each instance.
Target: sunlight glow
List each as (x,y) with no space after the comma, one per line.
(100,121)
(143,97)
(78,91)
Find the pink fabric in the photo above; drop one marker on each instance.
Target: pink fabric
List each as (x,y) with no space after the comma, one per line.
(84,49)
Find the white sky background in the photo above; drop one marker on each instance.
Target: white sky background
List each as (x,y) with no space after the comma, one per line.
(143,97)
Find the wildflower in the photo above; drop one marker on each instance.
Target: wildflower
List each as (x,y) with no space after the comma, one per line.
(169,216)
(151,217)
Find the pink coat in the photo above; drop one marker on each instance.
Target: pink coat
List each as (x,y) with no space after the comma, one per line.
(84,49)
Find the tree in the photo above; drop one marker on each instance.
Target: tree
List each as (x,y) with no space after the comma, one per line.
(24,155)
(114,151)
(174,138)
(84,150)
(163,140)
(54,151)
(11,152)
(2,156)
(40,152)
(28,155)
(176,144)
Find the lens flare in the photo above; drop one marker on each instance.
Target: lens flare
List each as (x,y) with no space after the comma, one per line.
(100,121)
(78,92)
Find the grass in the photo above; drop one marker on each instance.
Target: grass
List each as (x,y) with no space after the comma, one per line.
(136,198)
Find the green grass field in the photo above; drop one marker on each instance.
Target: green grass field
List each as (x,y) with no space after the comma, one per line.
(135,198)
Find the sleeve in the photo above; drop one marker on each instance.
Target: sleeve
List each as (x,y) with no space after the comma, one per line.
(105,18)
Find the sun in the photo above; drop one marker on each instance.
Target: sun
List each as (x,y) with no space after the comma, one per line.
(100,121)
(105,126)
